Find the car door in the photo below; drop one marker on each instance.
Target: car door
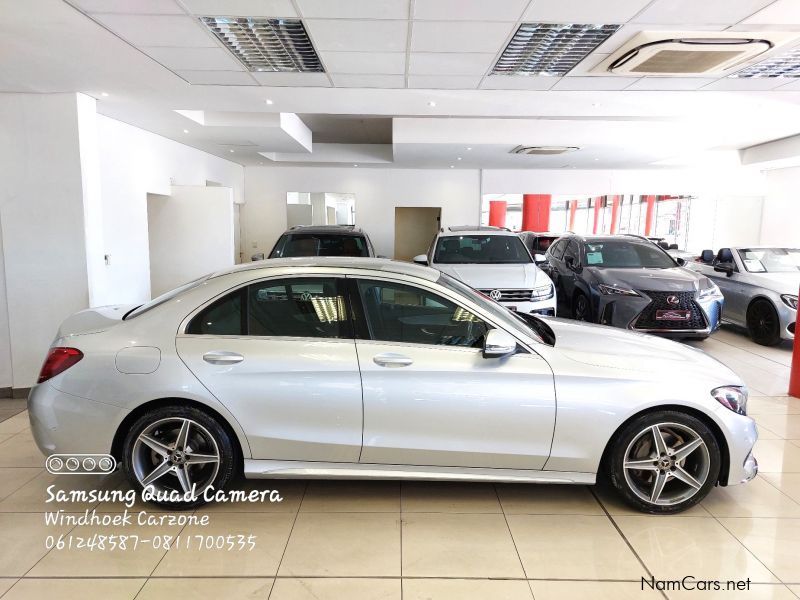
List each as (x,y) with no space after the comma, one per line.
(733,288)
(280,355)
(569,275)
(430,398)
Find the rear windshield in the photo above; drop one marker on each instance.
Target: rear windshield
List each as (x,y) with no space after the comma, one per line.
(139,310)
(540,244)
(625,254)
(319,244)
(481,249)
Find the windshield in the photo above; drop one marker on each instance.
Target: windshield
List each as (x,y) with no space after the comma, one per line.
(770,260)
(508,318)
(163,298)
(319,244)
(626,254)
(481,249)
(542,243)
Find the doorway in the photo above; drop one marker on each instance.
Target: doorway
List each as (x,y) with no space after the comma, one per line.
(414,228)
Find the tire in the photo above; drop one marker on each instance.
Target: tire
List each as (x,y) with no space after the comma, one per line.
(153,444)
(581,308)
(763,324)
(635,445)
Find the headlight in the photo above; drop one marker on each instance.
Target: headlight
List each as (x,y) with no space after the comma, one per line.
(711,291)
(611,290)
(789,300)
(732,397)
(543,292)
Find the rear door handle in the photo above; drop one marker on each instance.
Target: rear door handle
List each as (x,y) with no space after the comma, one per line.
(221,357)
(390,359)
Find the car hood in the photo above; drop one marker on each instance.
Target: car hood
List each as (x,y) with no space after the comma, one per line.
(516,276)
(782,283)
(677,279)
(619,349)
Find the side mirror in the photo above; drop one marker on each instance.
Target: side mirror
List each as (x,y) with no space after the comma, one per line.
(421,259)
(681,261)
(726,268)
(498,343)
(539,258)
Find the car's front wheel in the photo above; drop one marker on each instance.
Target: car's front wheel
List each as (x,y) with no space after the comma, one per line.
(763,324)
(581,310)
(177,452)
(664,462)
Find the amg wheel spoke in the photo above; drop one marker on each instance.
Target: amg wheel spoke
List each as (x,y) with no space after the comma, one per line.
(658,486)
(648,464)
(680,473)
(658,440)
(681,452)
(183,478)
(161,470)
(155,445)
(183,435)
(197,459)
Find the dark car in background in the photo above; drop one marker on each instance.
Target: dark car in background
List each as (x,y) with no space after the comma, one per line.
(323,240)
(538,242)
(630,282)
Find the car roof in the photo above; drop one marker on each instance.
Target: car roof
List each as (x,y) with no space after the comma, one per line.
(342,262)
(333,229)
(546,233)
(473,229)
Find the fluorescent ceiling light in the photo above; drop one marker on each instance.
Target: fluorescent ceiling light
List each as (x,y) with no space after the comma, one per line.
(785,65)
(263,44)
(550,49)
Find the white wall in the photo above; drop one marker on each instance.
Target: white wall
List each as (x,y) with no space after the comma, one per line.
(720,221)
(133,163)
(378,191)
(190,234)
(780,224)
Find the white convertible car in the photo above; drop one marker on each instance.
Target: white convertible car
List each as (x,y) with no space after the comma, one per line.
(368,368)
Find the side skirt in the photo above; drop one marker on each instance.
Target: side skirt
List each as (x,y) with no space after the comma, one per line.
(269,469)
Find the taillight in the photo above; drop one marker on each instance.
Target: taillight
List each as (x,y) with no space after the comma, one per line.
(58,360)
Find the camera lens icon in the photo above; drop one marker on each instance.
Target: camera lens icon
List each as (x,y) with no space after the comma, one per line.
(80,464)
(89,464)
(106,464)
(54,464)
(73,464)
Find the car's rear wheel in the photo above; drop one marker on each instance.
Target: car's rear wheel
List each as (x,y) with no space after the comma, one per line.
(664,462)
(178,452)
(763,324)
(581,309)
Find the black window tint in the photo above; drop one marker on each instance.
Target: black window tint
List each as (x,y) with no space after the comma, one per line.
(223,317)
(321,244)
(402,313)
(277,251)
(557,251)
(573,251)
(300,307)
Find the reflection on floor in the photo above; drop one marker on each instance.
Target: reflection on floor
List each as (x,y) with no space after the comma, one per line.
(434,540)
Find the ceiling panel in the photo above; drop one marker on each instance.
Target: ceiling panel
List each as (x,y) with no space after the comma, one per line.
(745,84)
(195,59)
(147,30)
(793,85)
(594,83)
(670,83)
(580,11)
(449,10)
(626,32)
(354,9)
(292,79)
(724,12)
(444,82)
(241,8)
(369,81)
(365,63)
(443,36)
(507,82)
(217,77)
(364,36)
(448,63)
(779,12)
(142,7)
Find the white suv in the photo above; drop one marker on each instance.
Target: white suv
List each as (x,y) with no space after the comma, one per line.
(494,261)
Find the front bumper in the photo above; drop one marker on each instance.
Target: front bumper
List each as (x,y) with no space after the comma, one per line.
(741,434)
(542,307)
(788,321)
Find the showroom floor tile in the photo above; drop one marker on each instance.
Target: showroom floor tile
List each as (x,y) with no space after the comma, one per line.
(433,541)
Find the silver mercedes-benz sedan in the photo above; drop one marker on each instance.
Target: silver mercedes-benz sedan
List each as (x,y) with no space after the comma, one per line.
(369,368)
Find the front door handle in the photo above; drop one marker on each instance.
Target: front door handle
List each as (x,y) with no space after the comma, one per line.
(390,359)
(221,357)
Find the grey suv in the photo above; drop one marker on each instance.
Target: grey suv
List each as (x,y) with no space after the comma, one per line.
(323,240)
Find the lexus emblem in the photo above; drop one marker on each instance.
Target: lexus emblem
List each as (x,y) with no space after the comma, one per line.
(674,300)
(495,295)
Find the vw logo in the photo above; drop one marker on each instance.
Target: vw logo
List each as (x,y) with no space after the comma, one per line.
(305,296)
(674,300)
(495,295)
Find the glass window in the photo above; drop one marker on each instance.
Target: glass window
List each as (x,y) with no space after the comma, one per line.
(626,254)
(574,252)
(297,307)
(403,313)
(481,249)
(222,317)
(770,260)
(139,310)
(557,250)
(320,244)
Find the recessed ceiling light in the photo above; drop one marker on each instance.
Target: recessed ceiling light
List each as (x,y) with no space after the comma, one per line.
(431,103)
(785,65)
(263,44)
(269,101)
(185,131)
(550,49)
(597,159)
(355,165)
(231,150)
(104,94)
(469,148)
(459,158)
(452,166)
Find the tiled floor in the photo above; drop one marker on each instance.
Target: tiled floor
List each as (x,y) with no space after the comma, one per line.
(418,541)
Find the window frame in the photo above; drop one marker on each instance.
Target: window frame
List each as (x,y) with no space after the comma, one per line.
(242,288)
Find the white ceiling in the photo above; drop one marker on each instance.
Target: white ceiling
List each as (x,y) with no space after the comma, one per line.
(403,59)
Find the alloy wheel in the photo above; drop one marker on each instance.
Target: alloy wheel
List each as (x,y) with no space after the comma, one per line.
(666,464)
(581,308)
(176,454)
(762,322)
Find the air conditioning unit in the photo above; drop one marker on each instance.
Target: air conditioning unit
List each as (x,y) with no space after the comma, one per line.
(665,53)
(543,150)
